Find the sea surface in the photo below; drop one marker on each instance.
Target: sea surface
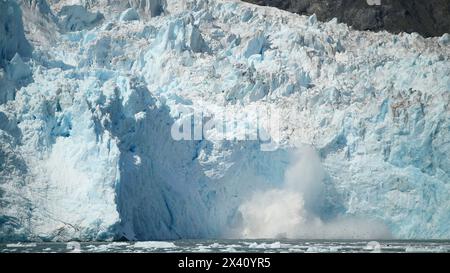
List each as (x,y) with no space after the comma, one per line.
(229,246)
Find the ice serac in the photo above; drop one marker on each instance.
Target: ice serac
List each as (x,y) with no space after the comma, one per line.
(76,17)
(13,47)
(17,69)
(149,7)
(87,151)
(12,37)
(129,15)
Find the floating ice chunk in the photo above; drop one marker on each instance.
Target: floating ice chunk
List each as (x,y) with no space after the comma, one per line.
(123,156)
(154,244)
(129,15)
(22,245)
(373,246)
(265,245)
(419,249)
(230,249)
(137,160)
(108,247)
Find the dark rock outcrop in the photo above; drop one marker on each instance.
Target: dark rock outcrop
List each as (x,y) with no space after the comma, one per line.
(426,17)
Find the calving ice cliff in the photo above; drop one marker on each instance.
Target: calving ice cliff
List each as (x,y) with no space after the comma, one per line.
(91,91)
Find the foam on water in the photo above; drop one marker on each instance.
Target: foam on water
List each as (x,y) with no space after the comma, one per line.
(260,246)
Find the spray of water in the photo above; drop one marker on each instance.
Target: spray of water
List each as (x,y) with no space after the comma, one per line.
(292,210)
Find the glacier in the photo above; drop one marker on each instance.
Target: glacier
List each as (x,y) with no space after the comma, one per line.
(88,99)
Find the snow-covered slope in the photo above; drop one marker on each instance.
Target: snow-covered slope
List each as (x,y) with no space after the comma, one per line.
(87,148)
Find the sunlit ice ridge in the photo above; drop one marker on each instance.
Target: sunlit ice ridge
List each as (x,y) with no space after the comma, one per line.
(92,92)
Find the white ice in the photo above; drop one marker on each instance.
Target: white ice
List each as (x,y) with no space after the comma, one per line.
(86,149)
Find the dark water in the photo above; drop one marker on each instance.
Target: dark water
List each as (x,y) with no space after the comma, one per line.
(204,246)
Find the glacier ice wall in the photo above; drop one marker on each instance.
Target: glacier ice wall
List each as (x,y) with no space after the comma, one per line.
(86,147)
(12,39)
(13,46)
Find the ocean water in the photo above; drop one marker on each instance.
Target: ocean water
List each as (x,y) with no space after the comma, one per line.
(230,246)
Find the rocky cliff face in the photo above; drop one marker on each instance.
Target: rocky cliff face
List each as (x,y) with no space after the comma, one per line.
(429,18)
